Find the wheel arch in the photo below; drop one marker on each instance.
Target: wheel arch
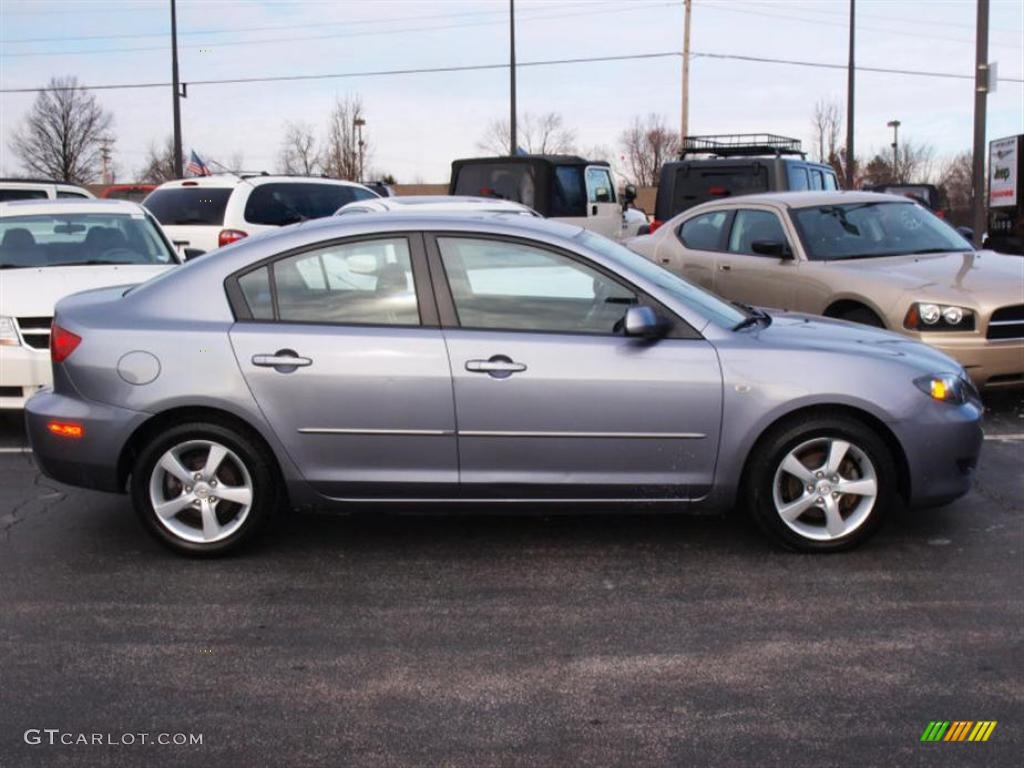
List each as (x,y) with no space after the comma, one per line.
(190,413)
(824,410)
(838,306)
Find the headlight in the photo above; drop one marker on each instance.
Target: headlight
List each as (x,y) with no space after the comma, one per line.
(8,333)
(947,387)
(927,316)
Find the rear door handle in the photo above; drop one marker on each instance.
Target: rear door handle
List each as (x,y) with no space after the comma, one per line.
(498,366)
(284,360)
(724,267)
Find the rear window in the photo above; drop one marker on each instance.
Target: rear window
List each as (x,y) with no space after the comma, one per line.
(281,204)
(511,181)
(189,205)
(696,185)
(22,194)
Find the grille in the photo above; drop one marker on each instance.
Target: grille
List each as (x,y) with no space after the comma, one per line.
(1007,323)
(35,331)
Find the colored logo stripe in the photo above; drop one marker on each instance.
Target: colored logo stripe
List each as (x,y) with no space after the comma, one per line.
(958,730)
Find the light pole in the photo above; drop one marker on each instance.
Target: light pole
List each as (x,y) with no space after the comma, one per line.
(178,172)
(895,125)
(359,122)
(850,73)
(684,123)
(513,140)
(982,85)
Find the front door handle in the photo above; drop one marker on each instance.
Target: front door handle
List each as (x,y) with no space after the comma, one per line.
(284,360)
(724,268)
(498,366)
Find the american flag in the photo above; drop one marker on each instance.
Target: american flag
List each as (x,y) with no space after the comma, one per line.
(196,166)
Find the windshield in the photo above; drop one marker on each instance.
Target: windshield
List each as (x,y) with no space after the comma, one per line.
(866,230)
(707,304)
(66,239)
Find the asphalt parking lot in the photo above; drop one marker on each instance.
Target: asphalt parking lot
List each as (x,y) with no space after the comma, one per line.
(626,640)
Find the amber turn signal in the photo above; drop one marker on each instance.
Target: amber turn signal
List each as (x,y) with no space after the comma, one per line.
(66,429)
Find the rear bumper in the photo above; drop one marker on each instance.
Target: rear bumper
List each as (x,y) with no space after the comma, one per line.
(90,461)
(989,363)
(23,372)
(941,446)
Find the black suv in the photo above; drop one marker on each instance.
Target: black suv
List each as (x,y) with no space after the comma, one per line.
(711,167)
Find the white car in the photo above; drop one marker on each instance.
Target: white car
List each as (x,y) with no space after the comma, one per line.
(438,204)
(208,212)
(41,189)
(52,248)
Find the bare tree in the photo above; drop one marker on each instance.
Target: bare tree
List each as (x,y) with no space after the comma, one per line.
(646,145)
(342,154)
(913,165)
(827,124)
(63,133)
(956,177)
(299,150)
(159,165)
(544,134)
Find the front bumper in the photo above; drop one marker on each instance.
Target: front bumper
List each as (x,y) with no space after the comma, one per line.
(23,372)
(941,444)
(90,461)
(989,363)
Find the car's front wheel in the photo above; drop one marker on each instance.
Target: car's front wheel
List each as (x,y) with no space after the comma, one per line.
(203,488)
(821,483)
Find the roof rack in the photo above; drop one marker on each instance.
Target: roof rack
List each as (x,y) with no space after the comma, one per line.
(741,144)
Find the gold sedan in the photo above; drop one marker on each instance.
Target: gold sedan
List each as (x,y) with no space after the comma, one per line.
(881,260)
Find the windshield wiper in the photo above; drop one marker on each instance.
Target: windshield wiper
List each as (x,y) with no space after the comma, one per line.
(754,316)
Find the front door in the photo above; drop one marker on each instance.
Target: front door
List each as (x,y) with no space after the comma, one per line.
(552,400)
(355,384)
(604,214)
(755,278)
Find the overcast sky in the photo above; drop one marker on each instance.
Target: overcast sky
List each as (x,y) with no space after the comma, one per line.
(418,123)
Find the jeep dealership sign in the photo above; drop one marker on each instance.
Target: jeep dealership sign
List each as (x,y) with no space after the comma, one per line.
(1003,160)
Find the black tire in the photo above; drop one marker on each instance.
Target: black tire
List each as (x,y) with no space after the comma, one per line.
(862,315)
(257,463)
(759,491)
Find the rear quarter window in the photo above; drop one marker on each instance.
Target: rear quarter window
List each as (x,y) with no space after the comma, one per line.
(22,194)
(189,205)
(281,204)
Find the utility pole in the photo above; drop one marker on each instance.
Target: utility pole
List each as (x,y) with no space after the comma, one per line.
(105,155)
(359,122)
(895,125)
(178,172)
(850,77)
(981,88)
(684,123)
(513,143)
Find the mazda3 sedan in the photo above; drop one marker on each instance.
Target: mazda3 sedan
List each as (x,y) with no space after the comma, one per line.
(454,360)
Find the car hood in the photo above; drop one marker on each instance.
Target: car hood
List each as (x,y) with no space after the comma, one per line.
(792,330)
(33,292)
(986,276)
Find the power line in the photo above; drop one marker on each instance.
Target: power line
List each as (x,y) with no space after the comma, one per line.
(589,12)
(504,65)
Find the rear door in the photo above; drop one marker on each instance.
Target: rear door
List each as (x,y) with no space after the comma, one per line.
(552,400)
(692,250)
(342,350)
(604,214)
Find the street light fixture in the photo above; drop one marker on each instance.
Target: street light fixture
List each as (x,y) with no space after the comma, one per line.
(359,122)
(895,125)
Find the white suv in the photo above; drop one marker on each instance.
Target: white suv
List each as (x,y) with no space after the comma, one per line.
(41,189)
(210,211)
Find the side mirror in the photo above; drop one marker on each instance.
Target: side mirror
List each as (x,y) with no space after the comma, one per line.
(776,248)
(644,323)
(629,194)
(191,253)
(602,195)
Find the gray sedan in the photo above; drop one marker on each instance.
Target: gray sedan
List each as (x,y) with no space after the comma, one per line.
(458,360)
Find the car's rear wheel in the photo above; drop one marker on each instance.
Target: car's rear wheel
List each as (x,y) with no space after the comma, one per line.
(821,483)
(203,488)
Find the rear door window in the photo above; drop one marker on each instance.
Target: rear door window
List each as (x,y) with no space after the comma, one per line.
(61,195)
(831,182)
(704,233)
(568,197)
(189,205)
(798,178)
(22,194)
(286,203)
(817,182)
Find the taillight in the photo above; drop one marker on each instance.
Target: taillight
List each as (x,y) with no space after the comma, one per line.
(228,236)
(941,214)
(718,191)
(62,343)
(654,226)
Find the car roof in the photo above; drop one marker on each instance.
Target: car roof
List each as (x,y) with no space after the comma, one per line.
(439,203)
(50,207)
(37,182)
(805,199)
(232,180)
